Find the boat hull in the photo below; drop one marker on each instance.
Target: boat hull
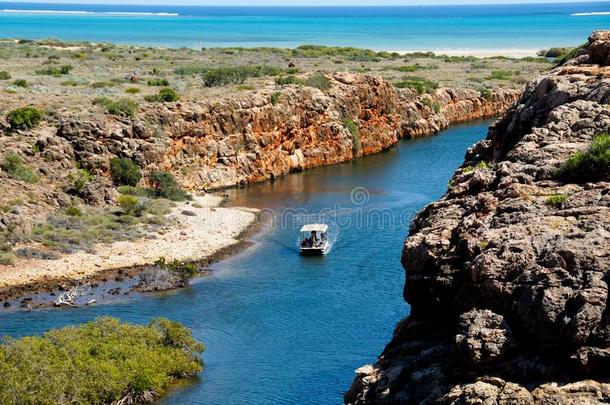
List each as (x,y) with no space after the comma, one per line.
(313,251)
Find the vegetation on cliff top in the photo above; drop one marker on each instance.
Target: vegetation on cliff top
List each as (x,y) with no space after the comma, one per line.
(99,362)
(590,165)
(24,118)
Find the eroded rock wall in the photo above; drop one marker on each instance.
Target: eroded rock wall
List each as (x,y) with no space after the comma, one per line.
(509,291)
(256,137)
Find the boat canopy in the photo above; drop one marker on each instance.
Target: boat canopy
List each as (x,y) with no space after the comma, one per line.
(314,227)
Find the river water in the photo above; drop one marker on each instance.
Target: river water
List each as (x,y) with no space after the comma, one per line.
(281,328)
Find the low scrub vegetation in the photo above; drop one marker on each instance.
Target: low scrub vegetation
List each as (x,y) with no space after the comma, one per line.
(122,106)
(24,118)
(481,165)
(4,75)
(21,83)
(16,169)
(352,127)
(317,80)
(500,75)
(348,53)
(125,172)
(556,200)
(79,229)
(419,84)
(590,165)
(163,184)
(275,97)
(166,275)
(100,362)
(237,75)
(158,82)
(166,95)
(55,70)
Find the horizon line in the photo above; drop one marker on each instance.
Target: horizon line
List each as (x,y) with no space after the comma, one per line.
(419,4)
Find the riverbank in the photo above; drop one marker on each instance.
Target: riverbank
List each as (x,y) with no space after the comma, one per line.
(206,120)
(199,231)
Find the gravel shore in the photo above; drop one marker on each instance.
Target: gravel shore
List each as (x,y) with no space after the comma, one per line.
(199,229)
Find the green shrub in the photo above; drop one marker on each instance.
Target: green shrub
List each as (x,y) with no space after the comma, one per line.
(185,271)
(289,79)
(132,90)
(158,82)
(74,211)
(7,259)
(55,70)
(554,52)
(15,168)
(319,81)
(132,190)
(409,68)
(102,85)
(166,95)
(80,179)
(21,83)
(24,118)
(102,362)
(481,165)
(567,54)
(163,184)
(556,200)
(275,97)
(500,75)
(486,94)
(122,106)
(124,172)
(71,83)
(355,132)
(591,165)
(128,203)
(436,107)
(4,75)
(245,87)
(419,84)
(236,75)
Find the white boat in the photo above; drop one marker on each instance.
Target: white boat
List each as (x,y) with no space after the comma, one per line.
(314,239)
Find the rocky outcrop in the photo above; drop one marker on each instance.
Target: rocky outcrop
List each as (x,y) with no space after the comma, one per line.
(508,289)
(264,135)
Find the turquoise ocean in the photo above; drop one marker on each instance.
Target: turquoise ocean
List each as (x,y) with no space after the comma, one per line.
(501,27)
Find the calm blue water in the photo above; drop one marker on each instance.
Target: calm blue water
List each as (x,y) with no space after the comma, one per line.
(395,28)
(280,328)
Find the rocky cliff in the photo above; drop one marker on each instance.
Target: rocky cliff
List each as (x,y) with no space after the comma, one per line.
(507,275)
(267,134)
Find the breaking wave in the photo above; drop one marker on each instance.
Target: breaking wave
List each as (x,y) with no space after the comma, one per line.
(75,12)
(590,14)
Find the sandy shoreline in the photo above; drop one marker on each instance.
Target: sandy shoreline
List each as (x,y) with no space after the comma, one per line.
(479,53)
(208,233)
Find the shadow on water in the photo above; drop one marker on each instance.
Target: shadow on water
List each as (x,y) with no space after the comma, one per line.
(282,328)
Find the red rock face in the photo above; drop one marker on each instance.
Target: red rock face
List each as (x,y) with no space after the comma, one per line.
(249,140)
(215,144)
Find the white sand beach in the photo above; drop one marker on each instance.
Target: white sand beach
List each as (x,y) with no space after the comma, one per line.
(187,238)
